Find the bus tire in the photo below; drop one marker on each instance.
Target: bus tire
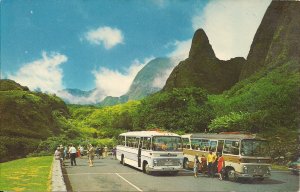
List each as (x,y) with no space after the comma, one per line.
(146,168)
(231,175)
(185,163)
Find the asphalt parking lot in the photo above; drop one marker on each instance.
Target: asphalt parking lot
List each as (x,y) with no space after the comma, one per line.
(109,175)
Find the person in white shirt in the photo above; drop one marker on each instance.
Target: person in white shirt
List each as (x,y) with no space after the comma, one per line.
(72,152)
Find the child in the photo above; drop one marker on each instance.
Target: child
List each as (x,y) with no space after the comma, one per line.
(196,166)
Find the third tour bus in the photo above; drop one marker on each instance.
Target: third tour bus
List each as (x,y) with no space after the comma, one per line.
(245,155)
(151,151)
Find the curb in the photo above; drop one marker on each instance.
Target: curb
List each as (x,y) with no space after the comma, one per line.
(57,182)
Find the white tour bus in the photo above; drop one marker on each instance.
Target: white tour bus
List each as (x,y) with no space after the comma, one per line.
(245,155)
(151,151)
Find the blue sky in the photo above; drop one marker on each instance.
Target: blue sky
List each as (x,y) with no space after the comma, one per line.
(87,44)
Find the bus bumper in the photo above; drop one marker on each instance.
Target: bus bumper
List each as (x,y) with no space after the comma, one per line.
(250,176)
(165,168)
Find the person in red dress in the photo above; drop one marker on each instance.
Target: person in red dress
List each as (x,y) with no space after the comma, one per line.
(221,165)
(78,152)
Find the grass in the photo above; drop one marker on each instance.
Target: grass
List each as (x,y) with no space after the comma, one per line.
(279,167)
(28,174)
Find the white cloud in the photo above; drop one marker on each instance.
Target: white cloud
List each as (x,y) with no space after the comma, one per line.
(115,83)
(180,52)
(107,36)
(160,80)
(95,97)
(44,74)
(230,25)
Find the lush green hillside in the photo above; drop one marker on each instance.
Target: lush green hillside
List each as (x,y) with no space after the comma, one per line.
(277,39)
(103,122)
(26,119)
(268,104)
(179,110)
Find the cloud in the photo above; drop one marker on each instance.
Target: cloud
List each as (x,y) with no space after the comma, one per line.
(107,36)
(44,74)
(108,83)
(231,25)
(180,52)
(95,97)
(115,83)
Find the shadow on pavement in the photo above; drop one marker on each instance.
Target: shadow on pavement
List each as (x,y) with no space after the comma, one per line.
(264,182)
(66,179)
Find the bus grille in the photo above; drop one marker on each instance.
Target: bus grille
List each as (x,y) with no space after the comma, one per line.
(168,162)
(257,169)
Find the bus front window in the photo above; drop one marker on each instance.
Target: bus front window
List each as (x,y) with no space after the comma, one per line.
(166,143)
(254,148)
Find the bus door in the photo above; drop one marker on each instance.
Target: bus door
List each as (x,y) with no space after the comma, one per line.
(139,152)
(220,146)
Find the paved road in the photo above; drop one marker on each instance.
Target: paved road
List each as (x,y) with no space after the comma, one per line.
(110,175)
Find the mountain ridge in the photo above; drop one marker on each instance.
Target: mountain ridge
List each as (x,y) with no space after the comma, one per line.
(203,69)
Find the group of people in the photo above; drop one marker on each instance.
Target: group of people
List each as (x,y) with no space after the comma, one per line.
(62,153)
(211,164)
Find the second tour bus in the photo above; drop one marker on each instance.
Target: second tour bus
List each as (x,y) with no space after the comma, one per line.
(151,151)
(245,155)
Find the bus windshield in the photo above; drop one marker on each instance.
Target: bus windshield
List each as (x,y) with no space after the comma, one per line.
(166,143)
(254,148)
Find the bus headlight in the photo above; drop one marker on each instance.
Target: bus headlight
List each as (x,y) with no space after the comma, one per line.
(269,169)
(155,162)
(245,169)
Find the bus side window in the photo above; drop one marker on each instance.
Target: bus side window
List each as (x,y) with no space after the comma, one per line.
(212,146)
(146,143)
(220,146)
(231,147)
(186,143)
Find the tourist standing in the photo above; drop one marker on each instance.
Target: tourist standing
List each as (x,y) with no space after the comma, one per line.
(211,158)
(57,154)
(72,152)
(105,151)
(221,166)
(114,153)
(101,152)
(91,156)
(81,150)
(196,166)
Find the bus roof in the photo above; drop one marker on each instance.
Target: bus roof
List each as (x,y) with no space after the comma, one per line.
(148,133)
(238,136)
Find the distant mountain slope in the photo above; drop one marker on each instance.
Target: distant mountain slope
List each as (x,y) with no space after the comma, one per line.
(149,80)
(203,69)
(78,92)
(277,39)
(77,96)
(26,118)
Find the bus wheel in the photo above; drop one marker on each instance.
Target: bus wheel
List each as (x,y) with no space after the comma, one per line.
(146,168)
(231,175)
(186,163)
